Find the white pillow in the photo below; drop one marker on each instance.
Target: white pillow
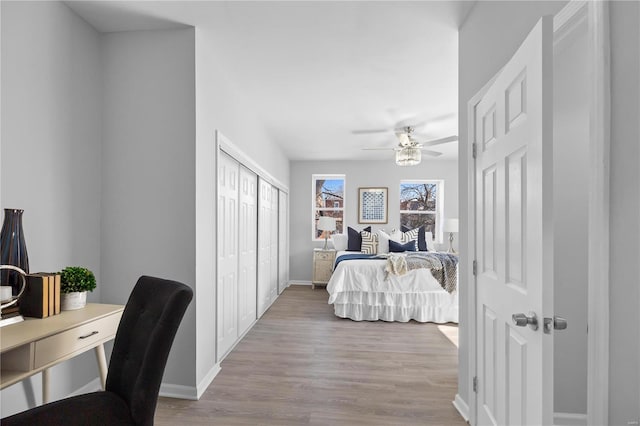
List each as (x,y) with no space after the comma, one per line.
(405,237)
(340,241)
(428,235)
(383,242)
(369,242)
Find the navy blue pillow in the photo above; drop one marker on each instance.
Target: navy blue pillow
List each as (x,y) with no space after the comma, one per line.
(354,243)
(422,241)
(395,247)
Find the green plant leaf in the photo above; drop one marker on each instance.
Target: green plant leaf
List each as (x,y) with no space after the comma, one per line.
(76,278)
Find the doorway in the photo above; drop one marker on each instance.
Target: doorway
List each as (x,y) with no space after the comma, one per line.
(571,233)
(581,138)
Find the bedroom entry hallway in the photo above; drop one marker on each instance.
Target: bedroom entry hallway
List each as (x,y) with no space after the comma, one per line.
(302,365)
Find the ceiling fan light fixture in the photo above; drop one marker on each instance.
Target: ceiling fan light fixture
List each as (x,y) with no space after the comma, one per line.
(403,139)
(408,156)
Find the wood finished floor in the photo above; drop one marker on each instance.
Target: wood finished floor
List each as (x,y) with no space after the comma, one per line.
(301,365)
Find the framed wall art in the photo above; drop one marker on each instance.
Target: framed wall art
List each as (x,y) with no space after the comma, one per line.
(372,205)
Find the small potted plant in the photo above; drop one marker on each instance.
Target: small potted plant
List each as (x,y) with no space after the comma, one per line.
(75,281)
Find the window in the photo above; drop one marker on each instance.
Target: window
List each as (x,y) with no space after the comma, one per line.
(328,200)
(421,204)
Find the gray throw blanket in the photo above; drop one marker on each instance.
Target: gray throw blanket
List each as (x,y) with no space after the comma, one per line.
(443,267)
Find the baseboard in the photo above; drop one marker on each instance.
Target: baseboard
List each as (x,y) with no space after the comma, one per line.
(93,386)
(190,392)
(462,407)
(300,282)
(178,391)
(559,419)
(569,419)
(166,389)
(206,380)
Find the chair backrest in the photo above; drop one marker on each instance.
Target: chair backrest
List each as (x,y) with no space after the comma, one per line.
(148,326)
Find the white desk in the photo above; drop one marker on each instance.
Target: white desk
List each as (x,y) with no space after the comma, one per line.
(35,345)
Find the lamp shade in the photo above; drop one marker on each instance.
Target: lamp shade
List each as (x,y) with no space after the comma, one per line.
(326,223)
(451,225)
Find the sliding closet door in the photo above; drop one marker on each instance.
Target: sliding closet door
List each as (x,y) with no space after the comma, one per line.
(247,249)
(264,246)
(273,250)
(227,317)
(283,242)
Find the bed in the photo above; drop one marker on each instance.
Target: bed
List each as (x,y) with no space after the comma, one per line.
(364,287)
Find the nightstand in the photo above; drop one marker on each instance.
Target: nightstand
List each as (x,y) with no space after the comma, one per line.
(322,266)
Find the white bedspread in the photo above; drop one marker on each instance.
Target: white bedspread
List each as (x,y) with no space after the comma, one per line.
(360,289)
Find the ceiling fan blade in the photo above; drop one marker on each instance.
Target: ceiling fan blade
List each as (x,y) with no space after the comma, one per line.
(370,132)
(414,125)
(416,121)
(431,153)
(439,141)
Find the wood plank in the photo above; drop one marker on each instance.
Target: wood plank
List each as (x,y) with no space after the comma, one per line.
(302,365)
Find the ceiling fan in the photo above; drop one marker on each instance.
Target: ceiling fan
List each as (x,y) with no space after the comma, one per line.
(409,151)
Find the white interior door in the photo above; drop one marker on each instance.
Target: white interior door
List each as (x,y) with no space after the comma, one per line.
(273,250)
(248,243)
(227,318)
(283,238)
(264,246)
(514,237)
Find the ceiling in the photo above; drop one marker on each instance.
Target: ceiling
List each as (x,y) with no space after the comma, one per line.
(315,72)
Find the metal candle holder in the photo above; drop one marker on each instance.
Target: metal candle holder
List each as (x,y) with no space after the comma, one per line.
(14,299)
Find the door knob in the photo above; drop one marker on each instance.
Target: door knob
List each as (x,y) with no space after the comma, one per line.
(521,320)
(556,323)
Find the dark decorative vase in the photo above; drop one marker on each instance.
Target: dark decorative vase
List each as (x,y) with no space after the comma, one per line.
(13,250)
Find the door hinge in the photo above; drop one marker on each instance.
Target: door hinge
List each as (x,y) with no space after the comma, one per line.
(474,149)
(475,384)
(475,268)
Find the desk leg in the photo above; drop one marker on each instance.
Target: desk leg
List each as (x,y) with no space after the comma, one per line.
(46,397)
(102,364)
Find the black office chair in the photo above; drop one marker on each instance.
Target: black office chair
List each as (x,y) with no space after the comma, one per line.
(148,326)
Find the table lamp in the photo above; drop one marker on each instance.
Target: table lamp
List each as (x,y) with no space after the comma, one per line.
(451,226)
(327,225)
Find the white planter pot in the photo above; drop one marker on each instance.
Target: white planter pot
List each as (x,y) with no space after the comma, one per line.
(73,301)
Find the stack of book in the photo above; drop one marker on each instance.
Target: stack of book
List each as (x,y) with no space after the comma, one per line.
(10,312)
(41,297)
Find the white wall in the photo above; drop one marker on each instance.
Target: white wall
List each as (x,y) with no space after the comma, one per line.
(221,105)
(570,198)
(148,178)
(1,97)
(488,38)
(358,174)
(624,390)
(50,141)
(153,185)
